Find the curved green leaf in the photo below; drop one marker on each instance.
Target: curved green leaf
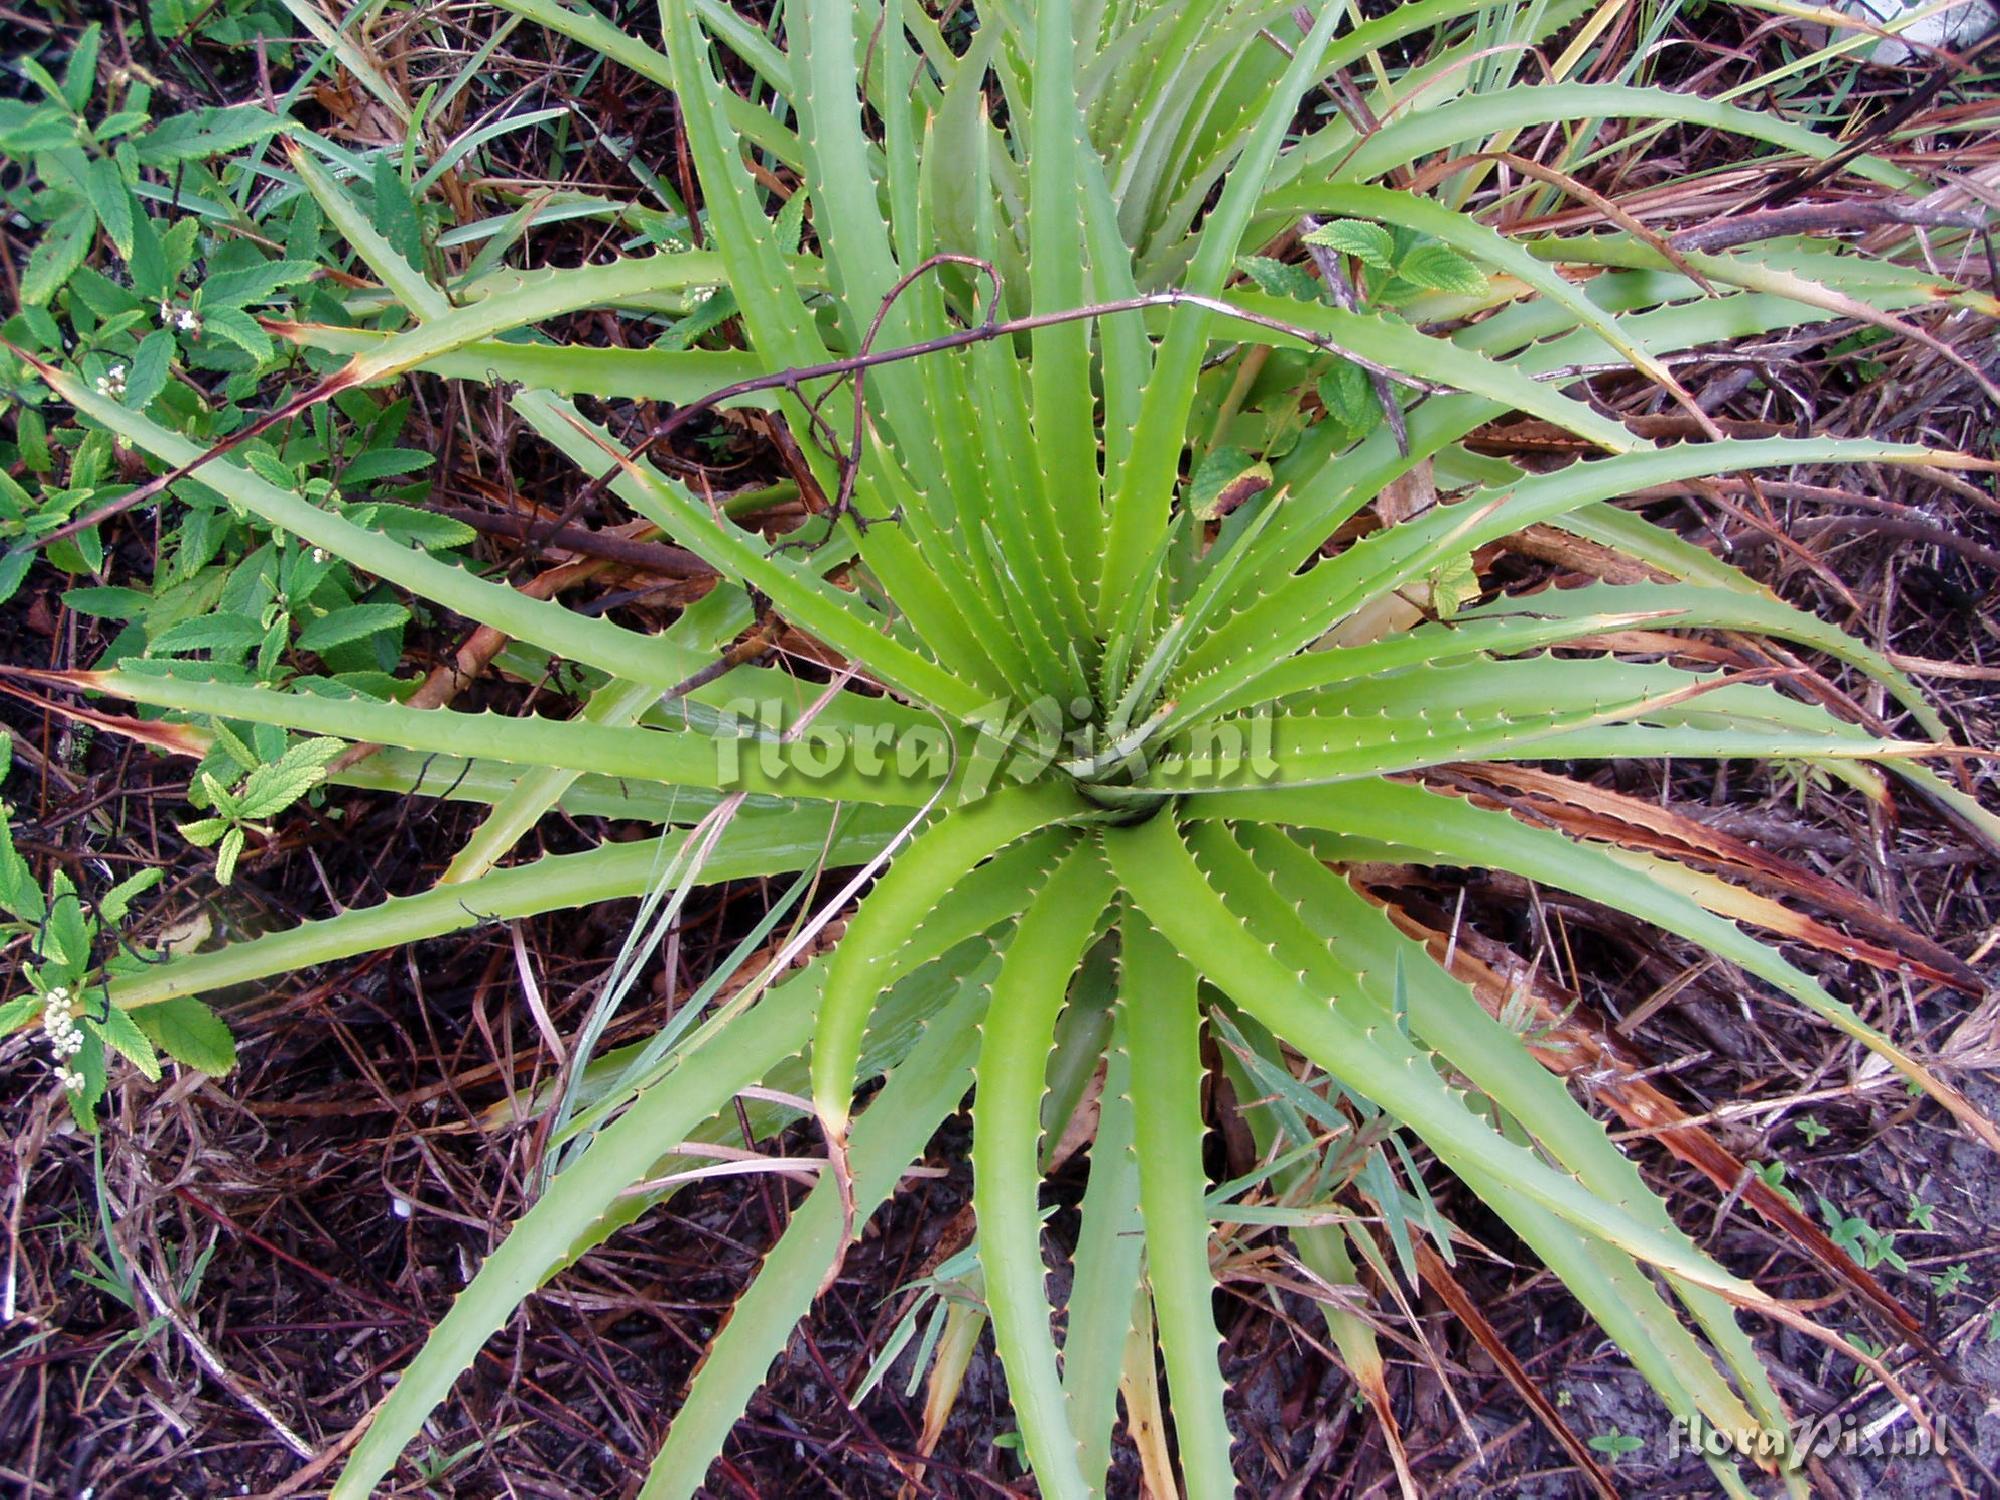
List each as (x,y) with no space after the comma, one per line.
(764,841)
(734,1057)
(891,1134)
(1163,1024)
(1445,828)
(873,949)
(1006,1121)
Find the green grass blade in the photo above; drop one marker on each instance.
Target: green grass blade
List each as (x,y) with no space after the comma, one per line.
(582,23)
(1322,1249)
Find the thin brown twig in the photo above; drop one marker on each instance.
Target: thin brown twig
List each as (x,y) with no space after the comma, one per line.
(651,557)
(791,380)
(1818,218)
(1948,70)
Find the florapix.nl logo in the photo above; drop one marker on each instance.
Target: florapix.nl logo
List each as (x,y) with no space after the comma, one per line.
(773,741)
(1894,1434)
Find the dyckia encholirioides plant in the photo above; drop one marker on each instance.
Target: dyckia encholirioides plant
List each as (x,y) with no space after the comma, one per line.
(1077,490)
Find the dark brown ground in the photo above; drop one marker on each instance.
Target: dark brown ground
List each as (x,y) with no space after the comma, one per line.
(337,1190)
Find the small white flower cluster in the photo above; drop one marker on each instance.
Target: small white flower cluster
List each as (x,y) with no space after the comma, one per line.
(186,319)
(64,1036)
(111,383)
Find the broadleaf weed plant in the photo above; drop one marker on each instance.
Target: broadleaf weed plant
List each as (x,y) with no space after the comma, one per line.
(1150,555)
(106,166)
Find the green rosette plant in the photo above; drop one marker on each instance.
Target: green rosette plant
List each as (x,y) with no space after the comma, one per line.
(1099,362)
